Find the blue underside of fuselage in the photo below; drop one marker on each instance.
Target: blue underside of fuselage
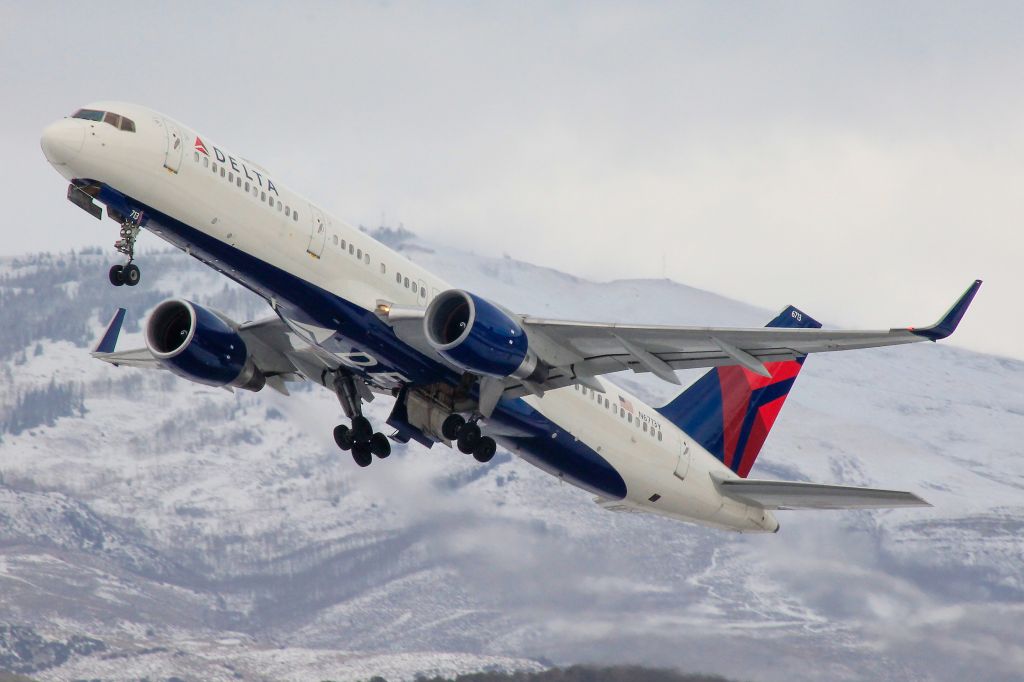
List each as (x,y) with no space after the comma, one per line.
(543,442)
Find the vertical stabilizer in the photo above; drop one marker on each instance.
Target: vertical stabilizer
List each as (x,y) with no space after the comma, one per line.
(730,410)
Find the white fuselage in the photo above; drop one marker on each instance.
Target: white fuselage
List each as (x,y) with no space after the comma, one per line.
(169,168)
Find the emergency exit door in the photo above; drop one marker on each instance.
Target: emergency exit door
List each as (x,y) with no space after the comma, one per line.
(318,232)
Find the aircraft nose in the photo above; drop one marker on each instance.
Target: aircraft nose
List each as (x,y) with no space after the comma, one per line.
(62,141)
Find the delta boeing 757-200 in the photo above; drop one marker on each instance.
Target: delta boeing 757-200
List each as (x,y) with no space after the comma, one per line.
(361,320)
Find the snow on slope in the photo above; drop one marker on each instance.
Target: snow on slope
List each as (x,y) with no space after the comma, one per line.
(219,527)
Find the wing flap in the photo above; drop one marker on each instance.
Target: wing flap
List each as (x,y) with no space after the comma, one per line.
(802,495)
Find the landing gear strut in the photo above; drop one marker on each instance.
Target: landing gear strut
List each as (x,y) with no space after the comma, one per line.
(468,438)
(128,273)
(359,438)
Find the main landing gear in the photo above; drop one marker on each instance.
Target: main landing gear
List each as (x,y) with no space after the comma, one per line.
(128,273)
(360,437)
(468,438)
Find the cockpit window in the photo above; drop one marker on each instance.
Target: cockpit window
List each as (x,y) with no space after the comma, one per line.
(88,114)
(116,120)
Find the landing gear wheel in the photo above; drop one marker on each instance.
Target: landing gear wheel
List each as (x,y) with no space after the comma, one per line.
(362,431)
(469,436)
(117,275)
(484,450)
(380,445)
(343,437)
(132,274)
(361,454)
(452,425)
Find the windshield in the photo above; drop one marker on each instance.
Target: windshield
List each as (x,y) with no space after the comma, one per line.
(88,114)
(116,120)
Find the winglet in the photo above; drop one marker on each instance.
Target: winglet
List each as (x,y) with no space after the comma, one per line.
(109,340)
(947,325)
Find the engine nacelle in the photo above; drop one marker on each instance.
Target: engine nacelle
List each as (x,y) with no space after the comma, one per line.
(477,336)
(200,345)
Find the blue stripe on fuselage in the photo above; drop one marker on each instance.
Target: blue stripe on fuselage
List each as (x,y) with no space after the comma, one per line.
(543,443)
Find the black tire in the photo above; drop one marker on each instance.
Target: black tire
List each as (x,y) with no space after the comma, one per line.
(132,274)
(361,454)
(469,436)
(116,275)
(485,449)
(343,437)
(452,425)
(362,431)
(380,445)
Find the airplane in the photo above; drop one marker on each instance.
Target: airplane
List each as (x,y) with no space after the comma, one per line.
(361,320)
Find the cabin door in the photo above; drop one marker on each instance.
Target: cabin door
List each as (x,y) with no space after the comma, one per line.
(318,234)
(175,146)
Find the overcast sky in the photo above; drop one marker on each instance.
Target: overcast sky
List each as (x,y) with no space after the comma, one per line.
(863,161)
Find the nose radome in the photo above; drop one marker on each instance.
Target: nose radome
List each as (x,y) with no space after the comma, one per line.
(62,141)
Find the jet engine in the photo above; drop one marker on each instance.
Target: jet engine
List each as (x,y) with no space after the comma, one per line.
(201,345)
(478,336)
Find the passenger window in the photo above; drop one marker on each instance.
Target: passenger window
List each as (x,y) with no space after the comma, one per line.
(222,171)
(127,125)
(344,244)
(112,119)
(288,213)
(280,206)
(238,180)
(214,168)
(231,177)
(351,249)
(295,216)
(398,277)
(196,157)
(659,435)
(335,240)
(206,161)
(383,269)
(247,187)
(406,282)
(359,254)
(366,258)
(414,287)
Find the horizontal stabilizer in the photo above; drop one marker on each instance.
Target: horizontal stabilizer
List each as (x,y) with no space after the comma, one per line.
(800,495)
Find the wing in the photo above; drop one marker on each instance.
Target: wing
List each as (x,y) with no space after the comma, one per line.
(578,350)
(575,352)
(280,353)
(799,495)
(600,348)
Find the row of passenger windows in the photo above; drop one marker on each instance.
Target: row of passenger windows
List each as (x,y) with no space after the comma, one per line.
(353,250)
(602,401)
(120,122)
(249,188)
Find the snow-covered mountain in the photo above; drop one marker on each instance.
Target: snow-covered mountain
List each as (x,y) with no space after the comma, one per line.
(150,527)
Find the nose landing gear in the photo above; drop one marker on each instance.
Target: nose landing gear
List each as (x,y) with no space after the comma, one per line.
(125,274)
(128,273)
